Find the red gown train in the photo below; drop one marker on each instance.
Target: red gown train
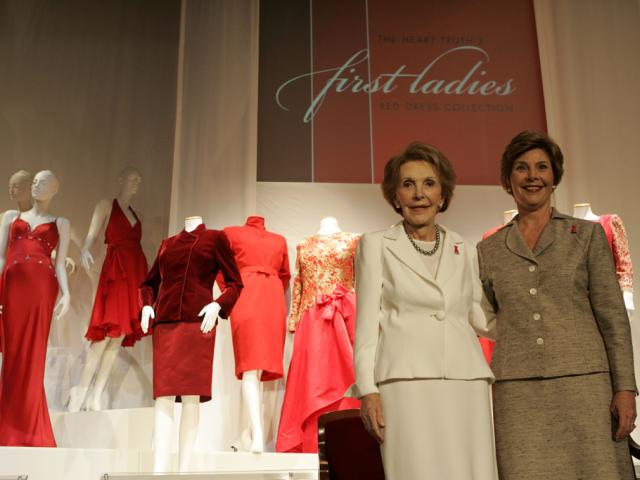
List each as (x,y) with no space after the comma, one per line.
(28,298)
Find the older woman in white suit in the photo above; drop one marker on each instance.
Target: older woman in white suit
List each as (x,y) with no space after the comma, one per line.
(419,369)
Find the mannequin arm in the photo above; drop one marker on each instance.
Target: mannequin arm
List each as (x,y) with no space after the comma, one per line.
(7,218)
(99,218)
(61,273)
(210,312)
(147,313)
(296,294)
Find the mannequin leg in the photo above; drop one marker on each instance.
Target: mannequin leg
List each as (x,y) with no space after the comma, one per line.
(188,429)
(78,393)
(162,433)
(252,401)
(109,355)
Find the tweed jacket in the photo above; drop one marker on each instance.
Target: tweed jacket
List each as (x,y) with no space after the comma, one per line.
(558,309)
(409,323)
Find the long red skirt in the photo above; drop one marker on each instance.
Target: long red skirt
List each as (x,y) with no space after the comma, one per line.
(321,370)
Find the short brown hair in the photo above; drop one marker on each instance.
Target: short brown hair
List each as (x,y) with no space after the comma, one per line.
(425,152)
(521,144)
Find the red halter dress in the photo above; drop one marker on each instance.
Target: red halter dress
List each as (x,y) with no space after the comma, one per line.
(115,308)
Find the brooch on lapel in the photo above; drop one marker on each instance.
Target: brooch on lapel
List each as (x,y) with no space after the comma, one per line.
(456,250)
(573,229)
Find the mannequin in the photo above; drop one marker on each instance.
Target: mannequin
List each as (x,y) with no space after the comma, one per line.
(258,320)
(31,282)
(104,348)
(618,242)
(20,189)
(20,192)
(328,226)
(508,215)
(322,315)
(151,287)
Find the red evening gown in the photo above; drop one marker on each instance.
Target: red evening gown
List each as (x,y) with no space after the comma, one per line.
(29,293)
(258,319)
(323,316)
(115,308)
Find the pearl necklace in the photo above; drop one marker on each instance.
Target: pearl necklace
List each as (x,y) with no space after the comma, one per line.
(422,250)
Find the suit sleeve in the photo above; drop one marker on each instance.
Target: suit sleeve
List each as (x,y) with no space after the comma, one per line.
(482,315)
(609,311)
(148,290)
(368,267)
(231,275)
(296,295)
(284,273)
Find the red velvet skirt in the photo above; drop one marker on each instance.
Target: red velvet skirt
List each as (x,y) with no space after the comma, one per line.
(182,360)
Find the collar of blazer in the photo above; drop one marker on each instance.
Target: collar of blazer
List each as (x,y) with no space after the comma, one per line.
(515,241)
(452,257)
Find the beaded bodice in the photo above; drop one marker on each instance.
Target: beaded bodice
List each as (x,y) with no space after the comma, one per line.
(27,242)
(323,262)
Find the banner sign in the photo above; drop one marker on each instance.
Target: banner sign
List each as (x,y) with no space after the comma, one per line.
(346,84)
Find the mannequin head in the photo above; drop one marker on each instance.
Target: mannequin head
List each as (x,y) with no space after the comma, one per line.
(20,186)
(45,186)
(129,181)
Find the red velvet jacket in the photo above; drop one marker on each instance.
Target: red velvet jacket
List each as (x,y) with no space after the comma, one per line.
(180,281)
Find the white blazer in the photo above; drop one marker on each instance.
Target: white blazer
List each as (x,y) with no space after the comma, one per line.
(410,324)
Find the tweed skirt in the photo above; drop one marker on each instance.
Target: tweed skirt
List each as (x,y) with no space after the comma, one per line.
(558,428)
(437,429)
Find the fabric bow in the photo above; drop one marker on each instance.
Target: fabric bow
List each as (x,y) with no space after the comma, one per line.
(335,301)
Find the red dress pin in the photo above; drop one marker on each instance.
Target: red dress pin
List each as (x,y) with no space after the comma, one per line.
(455,250)
(573,229)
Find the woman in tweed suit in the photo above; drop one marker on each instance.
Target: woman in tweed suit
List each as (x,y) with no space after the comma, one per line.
(564,397)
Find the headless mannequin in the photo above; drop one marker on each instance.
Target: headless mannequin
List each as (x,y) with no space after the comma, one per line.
(44,188)
(102,354)
(508,215)
(164,406)
(583,210)
(328,226)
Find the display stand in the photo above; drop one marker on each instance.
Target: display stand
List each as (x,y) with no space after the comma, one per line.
(94,445)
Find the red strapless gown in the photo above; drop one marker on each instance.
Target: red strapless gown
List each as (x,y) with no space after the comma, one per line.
(115,308)
(29,294)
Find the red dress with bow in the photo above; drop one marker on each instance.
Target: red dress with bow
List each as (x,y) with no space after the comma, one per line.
(258,320)
(28,298)
(323,316)
(115,308)
(178,285)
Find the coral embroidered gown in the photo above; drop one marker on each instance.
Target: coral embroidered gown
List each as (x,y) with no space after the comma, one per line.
(322,313)
(29,293)
(115,308)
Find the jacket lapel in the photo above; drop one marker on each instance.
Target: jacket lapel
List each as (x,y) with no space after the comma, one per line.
(452,251)
(398,244)
(515,241)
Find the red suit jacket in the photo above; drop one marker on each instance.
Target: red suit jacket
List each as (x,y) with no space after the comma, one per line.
(180,281)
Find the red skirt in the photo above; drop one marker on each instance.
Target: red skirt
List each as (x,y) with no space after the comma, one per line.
(321,370)
(182,360)
(115,308)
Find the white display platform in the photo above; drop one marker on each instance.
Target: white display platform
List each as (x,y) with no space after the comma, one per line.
(125,429)
(95,463)
(118,444)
